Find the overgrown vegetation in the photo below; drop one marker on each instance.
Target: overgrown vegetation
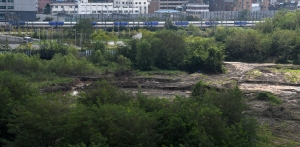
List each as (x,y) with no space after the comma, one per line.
(267,96)
(106,116)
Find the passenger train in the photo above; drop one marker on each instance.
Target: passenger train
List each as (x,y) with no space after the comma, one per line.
(158,24)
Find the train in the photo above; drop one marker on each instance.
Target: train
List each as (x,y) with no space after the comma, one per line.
(110,24)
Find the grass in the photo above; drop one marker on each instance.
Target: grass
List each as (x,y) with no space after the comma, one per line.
(267,96)
(160,72)
(56,81)
(267,139)
(291,73)
(40,80)
(254,73)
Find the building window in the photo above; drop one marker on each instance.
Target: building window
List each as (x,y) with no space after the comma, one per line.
(62,6)
(76,6)
(2,7)
(122,2)
(145,3)
(70,6)
(10,7)
(93,11)
(3,1)
(140,3)
(135,2)
(126,2)
(10,1)
(56,6)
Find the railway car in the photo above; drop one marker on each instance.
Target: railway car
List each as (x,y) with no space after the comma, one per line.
(157,24)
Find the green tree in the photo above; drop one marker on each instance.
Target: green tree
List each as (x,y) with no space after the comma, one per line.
(14,91)
(84,26)
(144,57)
(111,125)
(100,35)
(47,9)
(41,121)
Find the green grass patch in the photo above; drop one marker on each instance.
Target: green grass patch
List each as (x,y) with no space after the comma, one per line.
(39,79)
(267,139)
(254,73)
(268,96)
(292,75)
(56,81)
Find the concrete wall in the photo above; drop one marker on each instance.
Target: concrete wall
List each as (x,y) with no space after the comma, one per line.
(10,39)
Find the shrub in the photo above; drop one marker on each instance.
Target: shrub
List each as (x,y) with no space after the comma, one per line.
(268,96)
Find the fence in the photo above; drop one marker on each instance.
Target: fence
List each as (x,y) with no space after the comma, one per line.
(45,54)
(215,15)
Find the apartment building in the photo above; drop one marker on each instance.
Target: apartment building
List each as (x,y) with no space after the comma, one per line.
(23,10)
(240,5)
(193,8)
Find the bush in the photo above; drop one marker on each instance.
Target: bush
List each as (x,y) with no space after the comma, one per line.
(267,96)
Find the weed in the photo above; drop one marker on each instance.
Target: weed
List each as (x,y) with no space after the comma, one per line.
(161,72)
(292,75)
(254,73)
(267,96)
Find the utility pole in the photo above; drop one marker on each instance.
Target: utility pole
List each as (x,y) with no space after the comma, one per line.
(75,36)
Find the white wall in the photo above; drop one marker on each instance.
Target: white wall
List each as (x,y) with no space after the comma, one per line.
(142,5)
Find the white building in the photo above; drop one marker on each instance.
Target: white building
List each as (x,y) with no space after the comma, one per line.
(84,7)
(68,8)
(192,8)
(140,5)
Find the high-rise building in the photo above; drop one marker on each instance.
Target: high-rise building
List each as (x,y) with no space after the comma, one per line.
(21,10)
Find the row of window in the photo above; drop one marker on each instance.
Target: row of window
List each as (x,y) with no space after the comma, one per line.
(65,11)
(95,12)
(122,7)
(65,6)
(96,5)
(130,3)
(4,1)
(8,7)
